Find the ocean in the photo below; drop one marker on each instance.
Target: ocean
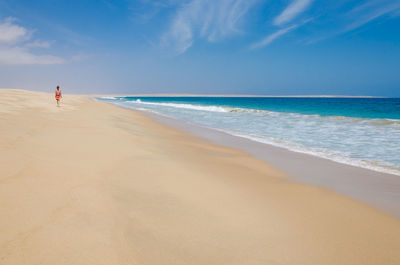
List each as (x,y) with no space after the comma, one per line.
(363,132)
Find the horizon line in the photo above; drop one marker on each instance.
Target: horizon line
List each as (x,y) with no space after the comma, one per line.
(240,95)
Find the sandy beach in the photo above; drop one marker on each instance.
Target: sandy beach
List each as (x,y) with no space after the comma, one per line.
(91,183)
(381,190)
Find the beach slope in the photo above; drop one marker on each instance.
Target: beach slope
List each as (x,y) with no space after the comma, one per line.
(91,183)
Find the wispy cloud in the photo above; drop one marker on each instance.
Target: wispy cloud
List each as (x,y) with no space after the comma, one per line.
(38,44)
(396,13)
(12,36)
(371,10)
(270,38)
(145,10)
(291,11)
(359,16)
(15,55)
(212,20)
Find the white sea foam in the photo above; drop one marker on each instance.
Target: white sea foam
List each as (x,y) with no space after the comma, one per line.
(367,143)
(226,109)
(203,107)
(184,106)
(337,157)
(108,98)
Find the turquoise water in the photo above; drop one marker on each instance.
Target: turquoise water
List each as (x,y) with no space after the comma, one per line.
(388,108)
(363,132)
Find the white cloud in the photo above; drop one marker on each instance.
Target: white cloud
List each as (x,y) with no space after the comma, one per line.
(11,33)
(270,38)
(38,44)
(212,20)
(291,11)
(181,35)
(12,36)
(17,55)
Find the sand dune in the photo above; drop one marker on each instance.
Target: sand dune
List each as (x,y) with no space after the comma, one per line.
(90,183)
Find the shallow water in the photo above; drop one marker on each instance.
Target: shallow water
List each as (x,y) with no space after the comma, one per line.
(364,132)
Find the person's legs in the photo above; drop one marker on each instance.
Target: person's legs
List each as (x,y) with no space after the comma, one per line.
(58,102)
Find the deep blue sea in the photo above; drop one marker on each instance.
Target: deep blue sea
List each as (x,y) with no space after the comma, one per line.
(363,132)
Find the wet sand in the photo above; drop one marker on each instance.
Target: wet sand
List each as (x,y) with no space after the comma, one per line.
(378,189)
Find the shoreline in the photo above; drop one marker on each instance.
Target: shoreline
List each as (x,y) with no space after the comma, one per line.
(362,148)
(93,183)
(379,189)
(237,96)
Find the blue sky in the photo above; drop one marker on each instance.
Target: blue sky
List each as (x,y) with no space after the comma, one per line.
(348,47)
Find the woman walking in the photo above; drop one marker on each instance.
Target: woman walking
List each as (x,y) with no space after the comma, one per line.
(58,95)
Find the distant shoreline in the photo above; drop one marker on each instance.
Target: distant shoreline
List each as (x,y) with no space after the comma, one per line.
(235,95)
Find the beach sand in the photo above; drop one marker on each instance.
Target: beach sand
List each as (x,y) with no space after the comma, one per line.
(91,183)
(381,190)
